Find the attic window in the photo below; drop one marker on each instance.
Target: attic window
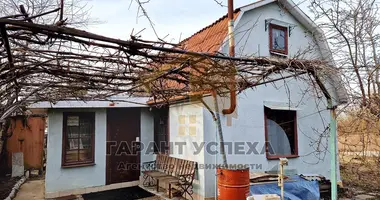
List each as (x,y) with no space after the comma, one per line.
(278,39)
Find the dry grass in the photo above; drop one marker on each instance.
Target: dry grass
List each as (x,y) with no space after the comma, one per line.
(359,150)
(359,142)
(357,175)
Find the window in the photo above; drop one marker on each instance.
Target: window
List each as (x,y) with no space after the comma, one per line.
(187,125)
(78,139)
(278,39)
(161,130)
(281,133)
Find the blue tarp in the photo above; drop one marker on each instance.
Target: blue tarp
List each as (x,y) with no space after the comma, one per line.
(295,189)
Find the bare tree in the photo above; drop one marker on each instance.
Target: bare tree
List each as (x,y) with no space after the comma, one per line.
(72,12)
(352,30)
(54,12)
(49,61)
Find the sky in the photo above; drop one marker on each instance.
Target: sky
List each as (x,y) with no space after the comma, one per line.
(173,19)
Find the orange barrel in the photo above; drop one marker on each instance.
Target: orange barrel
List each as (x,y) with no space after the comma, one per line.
(233,184)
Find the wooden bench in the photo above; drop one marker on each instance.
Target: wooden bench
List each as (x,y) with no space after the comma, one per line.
(174,172)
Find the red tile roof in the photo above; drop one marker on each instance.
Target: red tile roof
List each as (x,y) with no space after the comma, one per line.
(210,38)
(207,40)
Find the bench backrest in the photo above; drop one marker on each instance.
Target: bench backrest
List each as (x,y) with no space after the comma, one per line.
(184,167)
(175,166)
(162,162)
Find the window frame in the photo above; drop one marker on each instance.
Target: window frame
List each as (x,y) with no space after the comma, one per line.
(276,51)
(91,116)
(267,153)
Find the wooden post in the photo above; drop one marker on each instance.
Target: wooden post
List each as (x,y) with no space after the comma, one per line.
(333,152)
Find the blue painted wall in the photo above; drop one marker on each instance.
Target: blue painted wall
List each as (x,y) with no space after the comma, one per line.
(248,121)
(312,121)
(60,179)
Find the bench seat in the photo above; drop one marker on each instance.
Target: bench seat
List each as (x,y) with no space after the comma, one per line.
(171,172)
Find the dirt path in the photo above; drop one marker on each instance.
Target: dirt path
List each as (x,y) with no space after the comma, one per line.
(31,190)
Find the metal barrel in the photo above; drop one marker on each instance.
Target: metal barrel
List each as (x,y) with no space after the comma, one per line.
(233,184)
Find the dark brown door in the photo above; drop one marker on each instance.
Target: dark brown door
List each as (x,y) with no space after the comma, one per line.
(161,130)
(123,159)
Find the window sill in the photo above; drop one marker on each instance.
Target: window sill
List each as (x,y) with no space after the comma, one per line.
(282,156)
(278,53)
(78,165)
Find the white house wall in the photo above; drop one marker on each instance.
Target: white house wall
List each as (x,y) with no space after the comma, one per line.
(182,117)
(251,39)
(60,179)
(312,120)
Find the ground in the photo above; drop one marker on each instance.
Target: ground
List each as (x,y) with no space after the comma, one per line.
(7,184)
(361,174)
(31,190)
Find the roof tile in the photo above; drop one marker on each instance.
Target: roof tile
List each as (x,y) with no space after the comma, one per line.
(210,38)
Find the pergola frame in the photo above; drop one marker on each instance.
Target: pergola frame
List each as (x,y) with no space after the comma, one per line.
(40,62)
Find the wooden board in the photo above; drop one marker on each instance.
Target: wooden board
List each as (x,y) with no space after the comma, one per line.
(27,137)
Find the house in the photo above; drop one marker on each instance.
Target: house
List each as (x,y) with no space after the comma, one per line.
(99,145)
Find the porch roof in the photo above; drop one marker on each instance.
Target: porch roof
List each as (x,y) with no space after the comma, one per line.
(111,102)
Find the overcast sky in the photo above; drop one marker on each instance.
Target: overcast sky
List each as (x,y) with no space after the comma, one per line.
(174,19)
